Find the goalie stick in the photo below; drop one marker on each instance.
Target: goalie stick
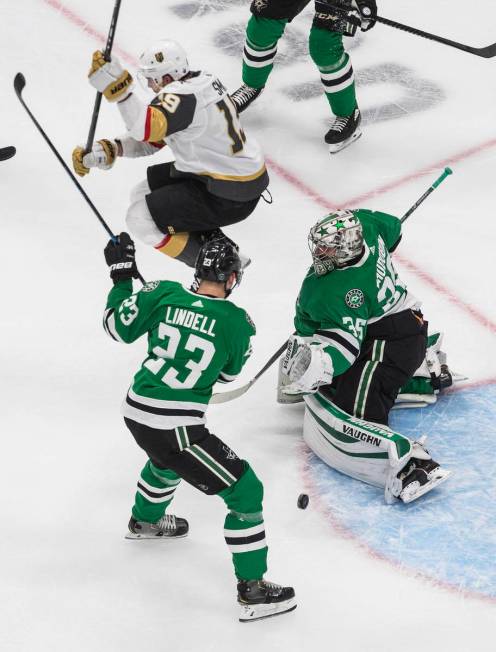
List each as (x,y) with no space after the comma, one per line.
(19,84)
(106,56)
(223,397)
(7,152)
(432,187)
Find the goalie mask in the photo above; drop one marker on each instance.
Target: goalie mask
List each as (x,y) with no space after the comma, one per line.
(164,57)
(335,240)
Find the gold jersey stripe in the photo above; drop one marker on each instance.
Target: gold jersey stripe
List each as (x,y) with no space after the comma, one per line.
(232,177)
(156,125)
(175,245)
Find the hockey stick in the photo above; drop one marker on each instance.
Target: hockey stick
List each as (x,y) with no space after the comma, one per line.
(19,84)
(223,397)
(487,52)
(437,182)
(7,152)
(106,56)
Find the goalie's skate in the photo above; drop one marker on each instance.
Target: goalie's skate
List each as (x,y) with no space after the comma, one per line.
(168,527)
(421,477)
(261,599)
(343,132)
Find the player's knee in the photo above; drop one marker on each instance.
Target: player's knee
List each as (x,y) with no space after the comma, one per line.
(326,48)
(245,496)
(139,191)
(263,32)
(140,223)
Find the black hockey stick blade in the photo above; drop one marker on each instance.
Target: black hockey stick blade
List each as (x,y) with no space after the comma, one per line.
(106,56)
(7,152)
(224,397)
(487,52)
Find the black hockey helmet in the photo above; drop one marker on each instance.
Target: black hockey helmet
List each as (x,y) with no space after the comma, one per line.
(217,260)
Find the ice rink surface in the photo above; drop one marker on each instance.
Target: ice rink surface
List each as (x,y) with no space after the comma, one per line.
(368,578)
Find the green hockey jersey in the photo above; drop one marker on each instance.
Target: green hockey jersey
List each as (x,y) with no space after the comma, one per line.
(337,307)
(193,342)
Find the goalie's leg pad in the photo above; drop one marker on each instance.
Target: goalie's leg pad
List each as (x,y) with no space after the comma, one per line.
(363,450)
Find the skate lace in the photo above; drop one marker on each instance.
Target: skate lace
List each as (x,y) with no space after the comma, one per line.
(167,522)
(271,587)
(244,93)
(339,124)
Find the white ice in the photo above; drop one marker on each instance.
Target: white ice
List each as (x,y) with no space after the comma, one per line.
(69,580)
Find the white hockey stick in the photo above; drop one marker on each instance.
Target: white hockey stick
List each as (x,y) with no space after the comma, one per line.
(223,397)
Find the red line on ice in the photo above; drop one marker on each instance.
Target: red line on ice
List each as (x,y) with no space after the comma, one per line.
(306,190)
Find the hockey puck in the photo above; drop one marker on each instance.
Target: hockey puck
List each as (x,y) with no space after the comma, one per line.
(303,501)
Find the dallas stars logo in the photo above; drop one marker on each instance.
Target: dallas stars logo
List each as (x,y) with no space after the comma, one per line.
(323,230)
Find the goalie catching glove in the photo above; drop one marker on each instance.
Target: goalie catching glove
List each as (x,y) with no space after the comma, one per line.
(120,257)
(307,366)
(102,156)
(110,78)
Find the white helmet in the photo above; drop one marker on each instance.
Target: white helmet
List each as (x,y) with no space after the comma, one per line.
(165,57)
(336,239)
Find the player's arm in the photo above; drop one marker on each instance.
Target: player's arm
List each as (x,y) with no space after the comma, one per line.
(322,350)
(167,114)
(241,348)
(127,316)
(388,226)
(104,153)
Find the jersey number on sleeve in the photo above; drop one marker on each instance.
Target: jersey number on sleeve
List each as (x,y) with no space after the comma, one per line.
(193,343)
(236,133)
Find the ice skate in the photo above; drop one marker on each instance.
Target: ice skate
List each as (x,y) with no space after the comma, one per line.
(344,131)
(218,234)
(168,527)
(419,477)
(261,599)
(244,96)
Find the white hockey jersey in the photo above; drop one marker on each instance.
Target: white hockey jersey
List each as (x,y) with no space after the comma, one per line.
(199,122)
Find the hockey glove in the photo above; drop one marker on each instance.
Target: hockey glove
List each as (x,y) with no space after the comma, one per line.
(120,257)
(101,156)
(307,365)
(368,13)
(110,78)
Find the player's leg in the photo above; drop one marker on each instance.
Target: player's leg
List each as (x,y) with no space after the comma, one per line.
(393,350)
(263,31)
(370,452)
(156,486)
(208,464)
(155,491)
(176,215)
(336,73)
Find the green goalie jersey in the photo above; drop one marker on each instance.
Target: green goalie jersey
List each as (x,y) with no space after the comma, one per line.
(336,308)
(193,342)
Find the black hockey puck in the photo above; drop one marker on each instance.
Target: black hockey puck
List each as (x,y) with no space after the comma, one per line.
(303,501)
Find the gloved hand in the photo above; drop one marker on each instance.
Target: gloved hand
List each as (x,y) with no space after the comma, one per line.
(120,257)
(307,365)
(102,155)
(110,78)
(368,13)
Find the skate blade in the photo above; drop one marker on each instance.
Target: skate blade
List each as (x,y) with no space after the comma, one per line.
(335,148)
(260,611)
(136,537)
(414,491)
